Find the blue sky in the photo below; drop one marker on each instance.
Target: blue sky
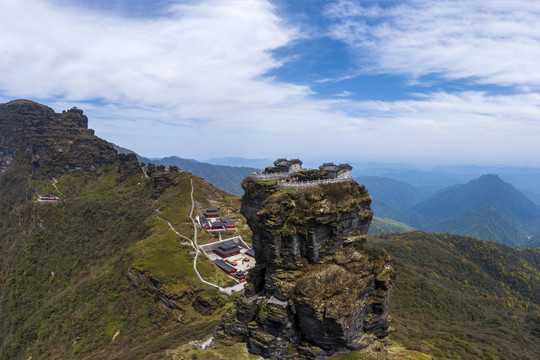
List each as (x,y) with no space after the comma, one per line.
(395,81)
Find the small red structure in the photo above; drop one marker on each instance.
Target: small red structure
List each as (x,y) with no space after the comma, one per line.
(240,276)
(205,224)
(227,249)
(227,222)
(217,225)
(212,221)
(48,198)
(225,267)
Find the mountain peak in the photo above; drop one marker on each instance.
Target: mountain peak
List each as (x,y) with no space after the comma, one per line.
(26,108)
(52,143)
(486,191)
(490,179)
(320,292)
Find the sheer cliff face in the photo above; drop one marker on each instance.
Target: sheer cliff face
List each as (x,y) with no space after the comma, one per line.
(53,143)
(315,291)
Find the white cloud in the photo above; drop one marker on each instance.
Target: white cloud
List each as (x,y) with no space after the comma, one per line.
(194,83)
(212,51)
(488,42)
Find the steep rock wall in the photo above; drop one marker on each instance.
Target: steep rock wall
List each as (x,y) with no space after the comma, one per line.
(316,291)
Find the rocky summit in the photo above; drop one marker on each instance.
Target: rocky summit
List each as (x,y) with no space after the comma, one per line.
(54,143)
(317,291)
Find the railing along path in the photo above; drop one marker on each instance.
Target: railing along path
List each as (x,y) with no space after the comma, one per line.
(305,184)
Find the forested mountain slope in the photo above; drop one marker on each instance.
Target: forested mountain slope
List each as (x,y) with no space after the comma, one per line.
(458,297)
(484,224)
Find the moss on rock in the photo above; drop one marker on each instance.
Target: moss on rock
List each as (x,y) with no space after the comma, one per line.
(316,291)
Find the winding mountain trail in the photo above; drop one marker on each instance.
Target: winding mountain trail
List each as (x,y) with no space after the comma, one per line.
(188,240)
(193,243)
(197,251)
(54,184)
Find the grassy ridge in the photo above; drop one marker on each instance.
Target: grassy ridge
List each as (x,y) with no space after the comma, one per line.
(458,297)
(380,226)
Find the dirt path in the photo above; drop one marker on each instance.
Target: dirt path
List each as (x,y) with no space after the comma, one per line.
(54,184)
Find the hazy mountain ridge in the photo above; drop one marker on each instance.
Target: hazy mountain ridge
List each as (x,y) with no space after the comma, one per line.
(409,217)
(485,224)
(434,178)
(227,178)
(487,208)
(239,161)
(392,191)
(488,190)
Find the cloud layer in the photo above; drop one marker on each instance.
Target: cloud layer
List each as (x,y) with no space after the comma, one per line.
(194,81)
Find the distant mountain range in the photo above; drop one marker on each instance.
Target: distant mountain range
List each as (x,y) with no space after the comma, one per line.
(226,178)
(486,224)
(393,191)
(486,208)
(385,210)
(434,178)
(486,191)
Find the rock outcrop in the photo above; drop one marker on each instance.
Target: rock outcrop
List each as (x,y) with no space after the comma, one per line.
(316,291)
(54,143)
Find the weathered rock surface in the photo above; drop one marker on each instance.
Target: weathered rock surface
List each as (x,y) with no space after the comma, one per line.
(54,143)
(316,291)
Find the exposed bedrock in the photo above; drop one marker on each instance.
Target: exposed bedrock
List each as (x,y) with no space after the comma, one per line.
(316,290)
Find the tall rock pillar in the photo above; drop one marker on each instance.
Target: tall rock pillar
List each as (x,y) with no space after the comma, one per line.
(316,290)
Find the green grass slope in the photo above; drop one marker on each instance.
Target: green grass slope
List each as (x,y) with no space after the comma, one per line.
(382,209)
(381,226)
(461,298)
(64,267)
